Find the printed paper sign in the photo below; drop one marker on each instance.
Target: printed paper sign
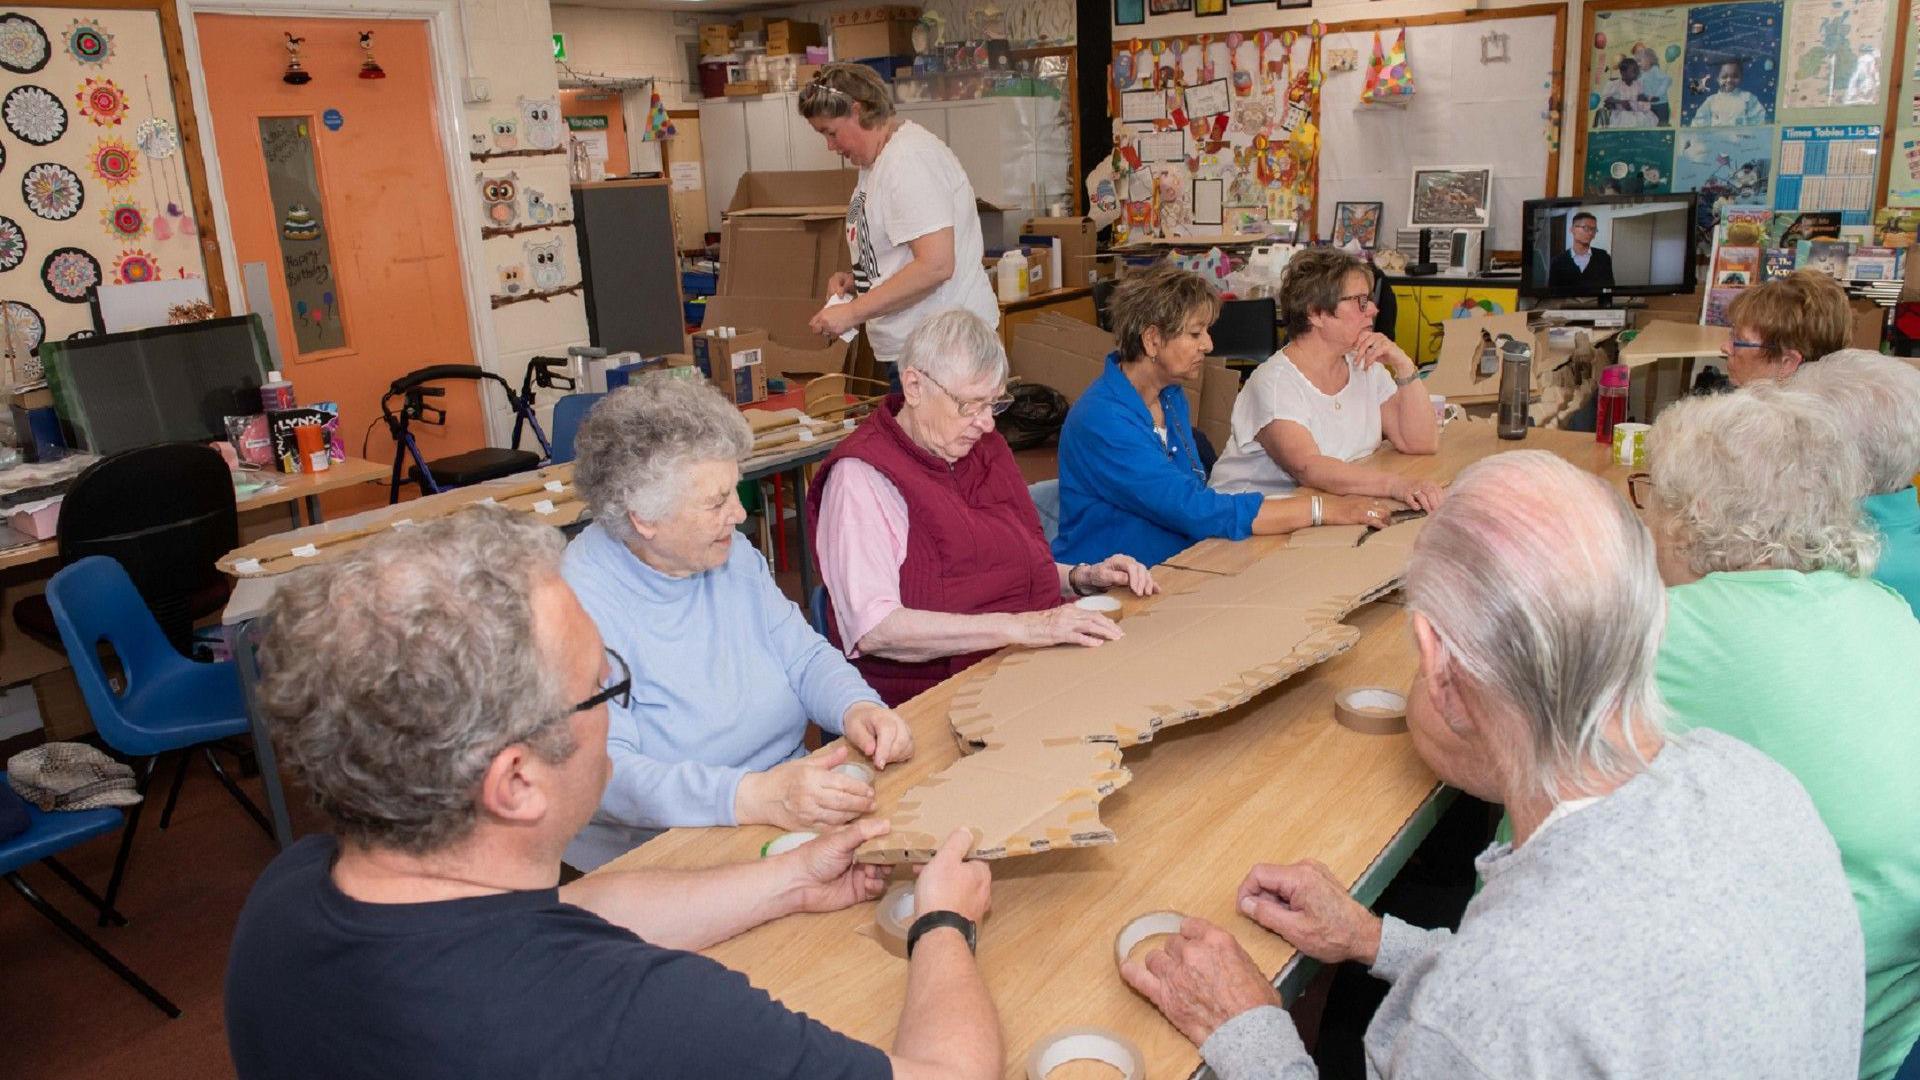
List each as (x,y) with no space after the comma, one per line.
(1209,99)
(1138,106)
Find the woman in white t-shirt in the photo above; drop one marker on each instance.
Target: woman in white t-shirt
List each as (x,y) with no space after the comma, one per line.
(913,228)
(1315,408)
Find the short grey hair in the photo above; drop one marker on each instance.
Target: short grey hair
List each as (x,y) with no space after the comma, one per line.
(1878,398)
(634,449)
(1766,477)
(392,677)
(956,347)
(1541,584)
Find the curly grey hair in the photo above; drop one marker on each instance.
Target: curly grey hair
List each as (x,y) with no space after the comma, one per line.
(1562,652)
(635,447)
(393,676)
(957,348)
(1878,398)
(1763,478)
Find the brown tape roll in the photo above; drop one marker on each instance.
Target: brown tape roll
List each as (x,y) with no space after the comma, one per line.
(1086,1044)
(893,917)
(1371,710)
(1142,928)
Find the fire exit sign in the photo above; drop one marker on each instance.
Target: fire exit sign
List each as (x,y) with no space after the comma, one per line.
(559,46)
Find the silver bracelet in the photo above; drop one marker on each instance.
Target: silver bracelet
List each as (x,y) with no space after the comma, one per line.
(1316,510)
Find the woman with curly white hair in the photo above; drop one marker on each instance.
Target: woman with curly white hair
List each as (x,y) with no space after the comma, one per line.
(1879,400)
(1778,635)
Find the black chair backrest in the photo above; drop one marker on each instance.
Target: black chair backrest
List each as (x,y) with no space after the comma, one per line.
(1245,328)
(166,512)
(1102,296)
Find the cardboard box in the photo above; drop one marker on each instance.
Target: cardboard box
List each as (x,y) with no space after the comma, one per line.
(1068,355)
(870,40)
(716,39)
(1039,270)
(752,24)
(787,36)
(792,348)
(1079,245)
(878,13)
(784,234)
(748,89)
(737,365)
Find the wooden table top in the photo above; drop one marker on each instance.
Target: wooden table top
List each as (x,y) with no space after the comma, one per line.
(1664,339)
(1275,780)
(287,488)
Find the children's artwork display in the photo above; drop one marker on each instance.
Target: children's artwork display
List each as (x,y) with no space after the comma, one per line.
(1357,223)
(1829,167)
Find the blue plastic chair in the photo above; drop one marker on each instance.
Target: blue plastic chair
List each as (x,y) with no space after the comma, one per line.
(1911,1069)
(817,610)
(568,412)
(47,835)
(170,704)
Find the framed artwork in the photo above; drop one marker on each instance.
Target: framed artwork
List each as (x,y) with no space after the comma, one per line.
(1443,198)
(1295,3)
(1129,12)
(1168,7)
(1250,3)
(1206,8)
(1357,222)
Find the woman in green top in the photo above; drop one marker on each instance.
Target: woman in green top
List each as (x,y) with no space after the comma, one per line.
(1778,636)
(1879,400)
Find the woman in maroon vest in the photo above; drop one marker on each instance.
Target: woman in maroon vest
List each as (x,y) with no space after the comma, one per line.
(929,544)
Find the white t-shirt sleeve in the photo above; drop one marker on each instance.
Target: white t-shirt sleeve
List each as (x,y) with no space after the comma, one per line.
(917,197)
(1382,383)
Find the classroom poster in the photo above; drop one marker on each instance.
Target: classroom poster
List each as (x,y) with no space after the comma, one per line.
(1834,55)
(1903,178)
(1732,65)
(1634,67)
(1831,167)
(1730,164)
(1629,163)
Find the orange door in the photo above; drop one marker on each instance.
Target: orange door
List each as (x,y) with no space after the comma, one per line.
(366,153)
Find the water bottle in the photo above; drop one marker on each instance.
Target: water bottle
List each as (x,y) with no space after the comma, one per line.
(1610,405)
(1516,387)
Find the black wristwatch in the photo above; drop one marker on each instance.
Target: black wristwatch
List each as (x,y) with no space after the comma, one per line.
(934,920)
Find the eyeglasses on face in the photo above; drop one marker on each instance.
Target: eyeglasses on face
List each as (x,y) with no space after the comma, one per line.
(1759,346)
(619,691)
(973,408)
(1640,489)
(1364,300)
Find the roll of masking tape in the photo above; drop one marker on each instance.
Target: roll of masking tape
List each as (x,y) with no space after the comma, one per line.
(1101,603)
(893,917)
(1149,925)
(853,770)
(1086,1044)
(1371,710)
(785,842)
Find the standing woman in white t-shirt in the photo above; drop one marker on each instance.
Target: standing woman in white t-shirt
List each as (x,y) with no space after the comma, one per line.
(1315,408)
(913,227)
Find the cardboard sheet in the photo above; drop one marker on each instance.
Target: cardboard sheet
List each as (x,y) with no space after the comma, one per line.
(1198,651)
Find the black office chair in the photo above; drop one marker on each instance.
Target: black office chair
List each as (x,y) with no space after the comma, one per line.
(1245,334)
(166,513)
(1102,296)
(473,466)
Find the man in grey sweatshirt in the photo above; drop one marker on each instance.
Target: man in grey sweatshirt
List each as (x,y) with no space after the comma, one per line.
(1670,906)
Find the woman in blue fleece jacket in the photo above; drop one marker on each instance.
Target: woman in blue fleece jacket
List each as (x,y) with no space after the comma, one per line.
(1130,478)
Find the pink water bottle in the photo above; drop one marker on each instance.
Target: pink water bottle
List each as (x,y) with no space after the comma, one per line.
(1610,406)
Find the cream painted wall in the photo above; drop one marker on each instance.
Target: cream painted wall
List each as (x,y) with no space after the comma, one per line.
(1260,16)
(630,44)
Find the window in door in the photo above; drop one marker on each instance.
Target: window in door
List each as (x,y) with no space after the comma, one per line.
(306,255)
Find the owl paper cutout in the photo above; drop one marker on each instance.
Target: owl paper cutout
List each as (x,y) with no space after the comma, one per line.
(499,196)
(540,211)
(543,260)
(505,135)
(540,123)
(513,279)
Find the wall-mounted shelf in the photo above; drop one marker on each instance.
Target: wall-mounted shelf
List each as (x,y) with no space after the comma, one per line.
(492,231)
(503,301)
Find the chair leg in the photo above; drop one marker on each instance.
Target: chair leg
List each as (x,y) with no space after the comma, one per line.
(113,962)
(173,793)
(239,796)
(73,882)
(126,839)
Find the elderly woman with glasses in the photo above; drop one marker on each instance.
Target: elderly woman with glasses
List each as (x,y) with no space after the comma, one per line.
(1784,323)
(1635,851)
(1130,476)
(1777,635)
(929,543)
(726,670)
(1320,405)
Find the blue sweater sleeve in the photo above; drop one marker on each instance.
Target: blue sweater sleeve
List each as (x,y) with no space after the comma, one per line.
(655,794)
(1122,461)
(826,684)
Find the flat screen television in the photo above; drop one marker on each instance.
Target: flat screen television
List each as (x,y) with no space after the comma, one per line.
(1603,246)
(170,383)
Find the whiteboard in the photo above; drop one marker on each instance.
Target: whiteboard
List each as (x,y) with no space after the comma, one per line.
(1463,113)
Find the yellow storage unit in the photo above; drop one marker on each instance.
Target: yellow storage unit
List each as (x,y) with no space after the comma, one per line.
(1425,304)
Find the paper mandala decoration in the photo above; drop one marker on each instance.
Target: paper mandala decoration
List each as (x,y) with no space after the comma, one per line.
(13,244)
(156,138)
(88,42)
(23,45)
(135,267)
(102,102)
(125,220)
(113,163)
(23,328)
(52,191)
(34,114)
(70,274)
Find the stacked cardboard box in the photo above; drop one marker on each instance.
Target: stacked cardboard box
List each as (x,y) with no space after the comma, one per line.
(867,33)
(782,239)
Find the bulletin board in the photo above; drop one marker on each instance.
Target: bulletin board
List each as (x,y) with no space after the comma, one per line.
(100,177)
(1487,90)
(1758,103)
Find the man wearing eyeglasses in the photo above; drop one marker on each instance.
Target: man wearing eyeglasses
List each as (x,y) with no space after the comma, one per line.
(1581,265)
(444,697)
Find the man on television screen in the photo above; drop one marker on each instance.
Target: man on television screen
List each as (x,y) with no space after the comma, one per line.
(1582,265)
